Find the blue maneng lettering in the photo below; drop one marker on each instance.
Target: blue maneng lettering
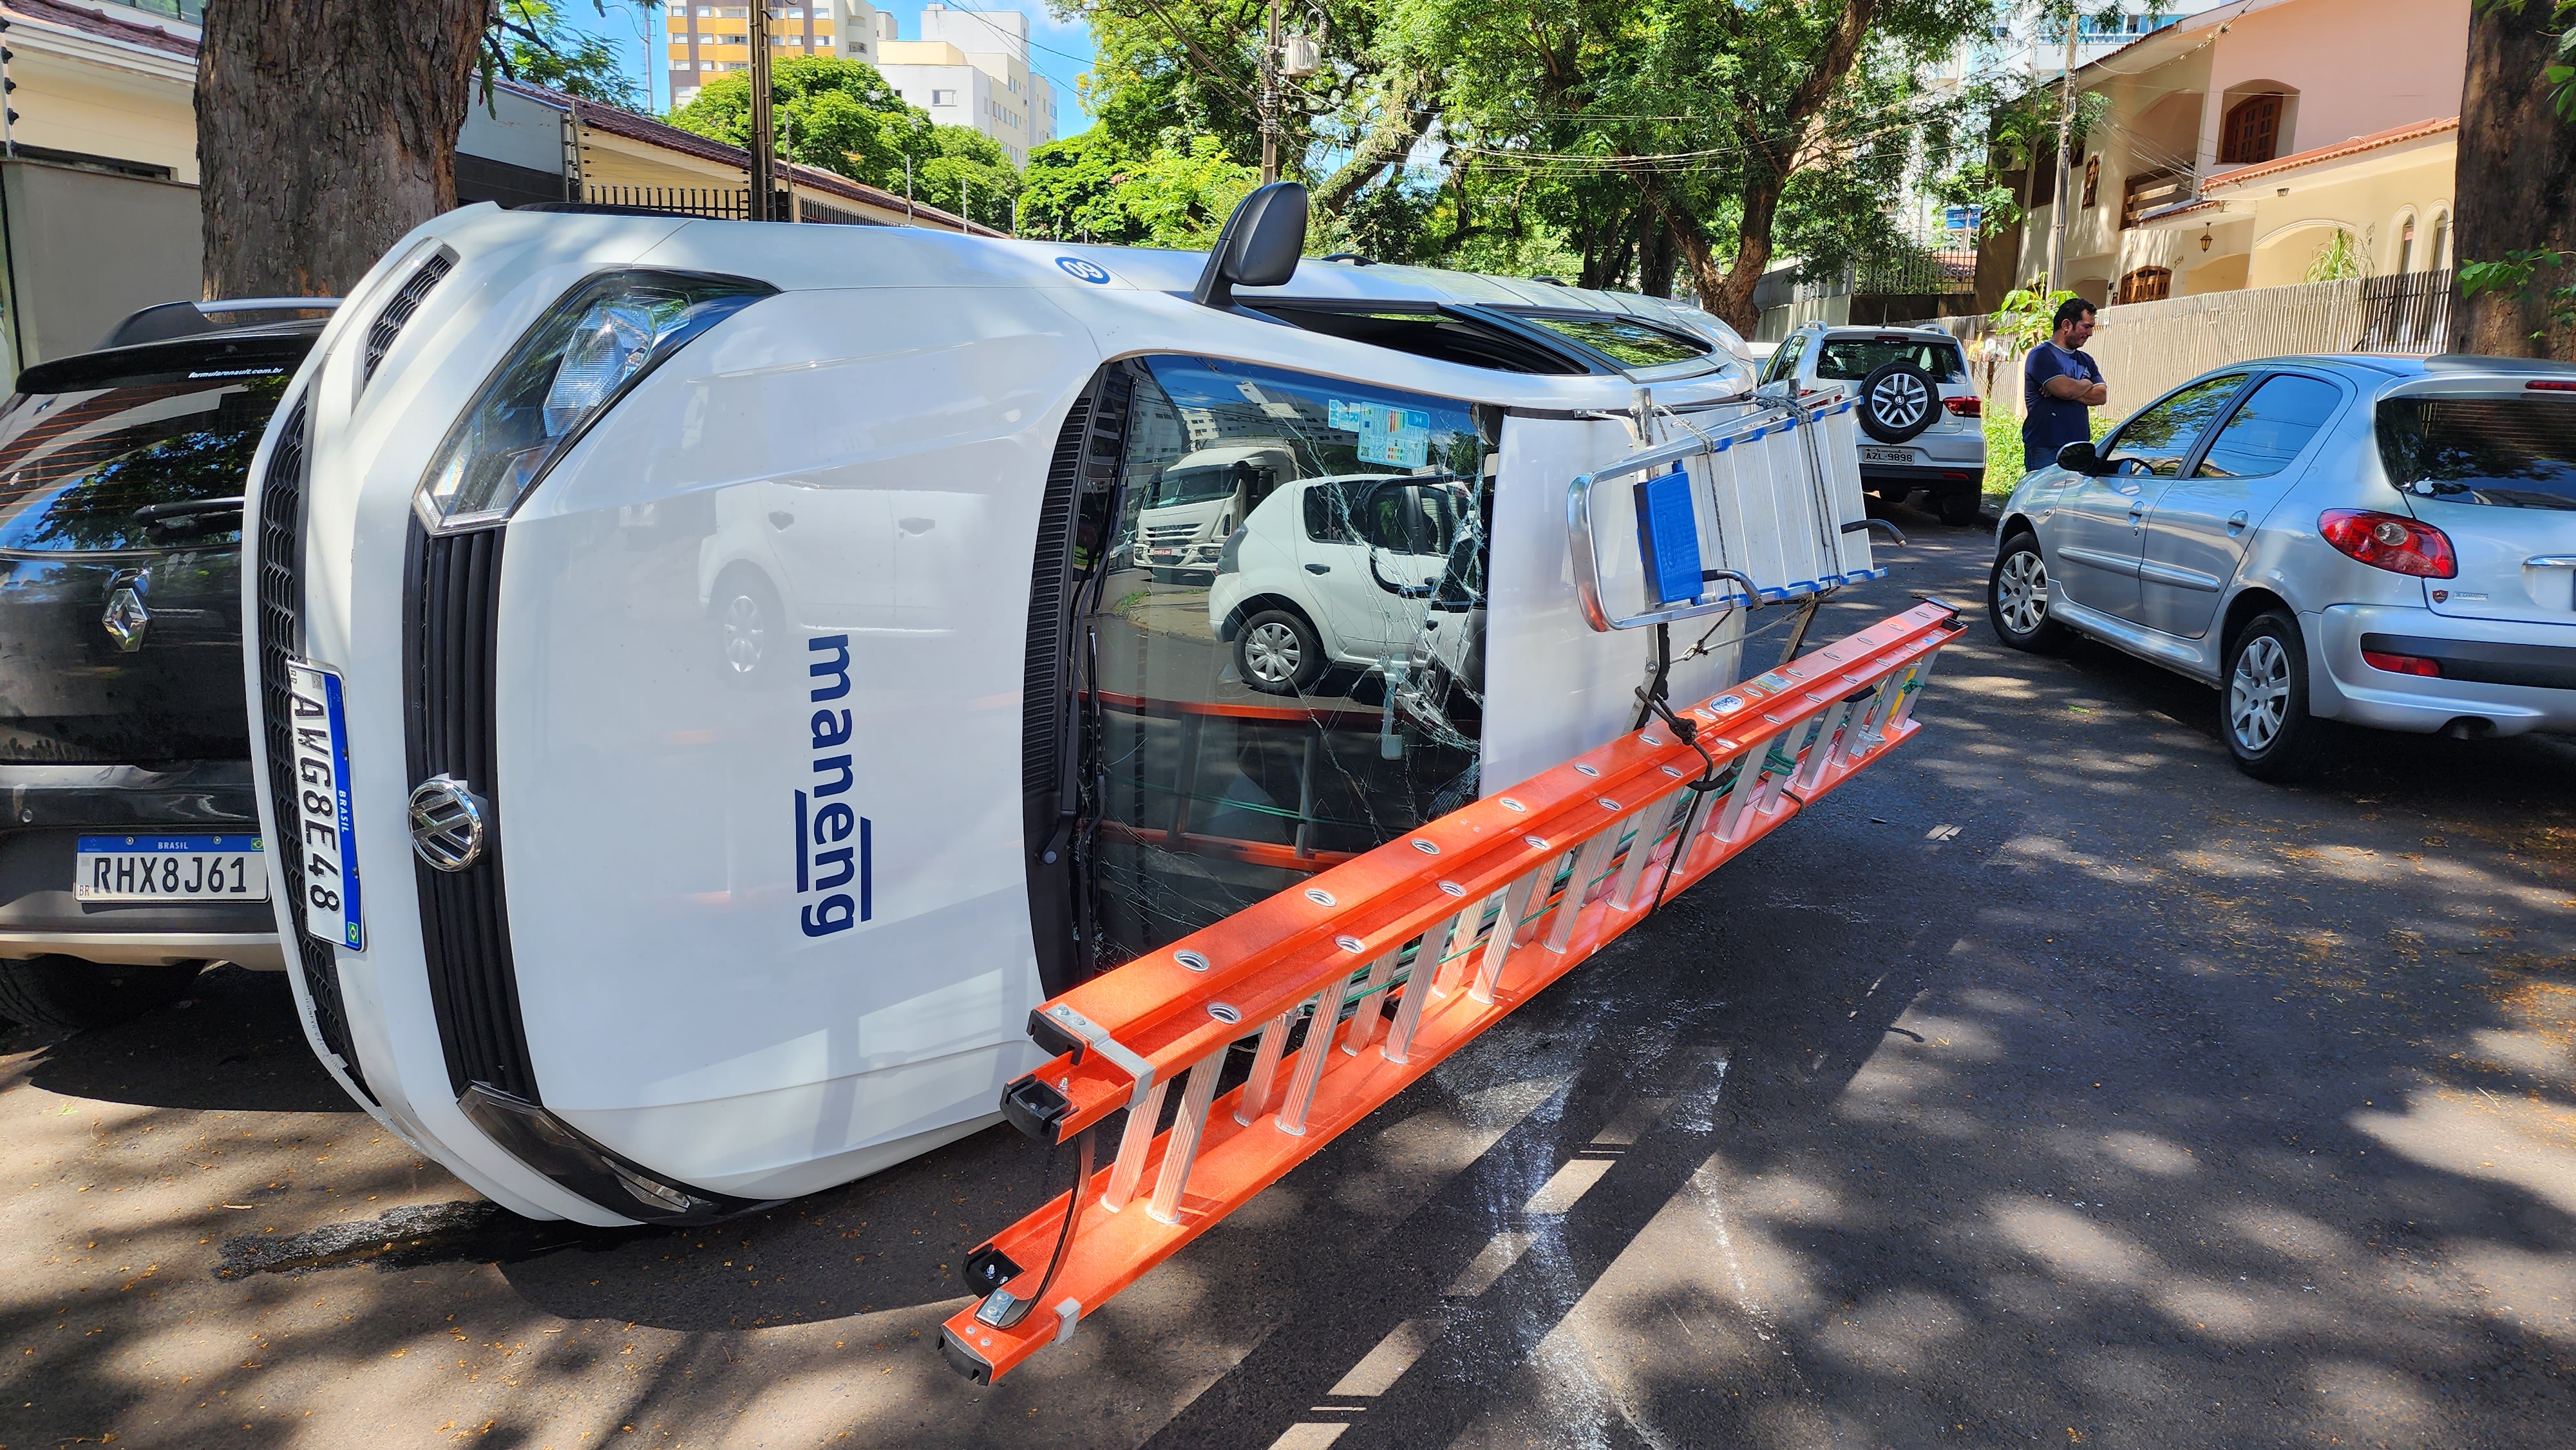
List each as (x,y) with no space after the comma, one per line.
(829,823)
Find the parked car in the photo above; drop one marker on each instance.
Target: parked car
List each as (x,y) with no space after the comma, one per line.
(1363,571)
(1925,422)
(2384,541)
(131,853)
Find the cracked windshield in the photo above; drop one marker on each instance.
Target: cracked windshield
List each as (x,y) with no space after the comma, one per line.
(1290,639)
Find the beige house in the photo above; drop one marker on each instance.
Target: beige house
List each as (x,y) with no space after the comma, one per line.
(2239,144)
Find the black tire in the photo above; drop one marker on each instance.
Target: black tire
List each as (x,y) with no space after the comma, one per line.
(1278,653)
(2263,702)
(59,991)
(750,624)
(1964,505)
(1897,401)
(2018,596)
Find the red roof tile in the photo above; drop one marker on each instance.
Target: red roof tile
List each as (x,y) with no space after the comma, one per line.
(102,25)
(2395,135)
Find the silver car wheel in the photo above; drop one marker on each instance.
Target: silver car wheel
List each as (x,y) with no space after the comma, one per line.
(2258,693)
(1899,400)
(744,631)
(2022,591)
(1273,654)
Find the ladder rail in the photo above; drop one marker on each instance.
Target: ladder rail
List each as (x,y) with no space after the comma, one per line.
(1617,814)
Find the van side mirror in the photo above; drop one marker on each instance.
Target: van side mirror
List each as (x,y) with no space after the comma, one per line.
(1259,247)
(2079,457)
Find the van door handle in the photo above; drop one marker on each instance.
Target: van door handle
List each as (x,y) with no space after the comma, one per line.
(2137,512)
(2236,522)
(1319,568)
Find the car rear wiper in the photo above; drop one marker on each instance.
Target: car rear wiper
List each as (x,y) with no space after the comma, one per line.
(189,516)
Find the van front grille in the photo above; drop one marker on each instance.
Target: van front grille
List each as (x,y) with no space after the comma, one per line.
(450,633)
(280,624)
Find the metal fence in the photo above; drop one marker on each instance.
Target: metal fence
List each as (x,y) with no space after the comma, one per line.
(720,202)
(2148,348)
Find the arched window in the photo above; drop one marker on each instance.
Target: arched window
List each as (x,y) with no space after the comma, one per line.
(2406,244)
(2147,284)
(2253,131)
(2437,250)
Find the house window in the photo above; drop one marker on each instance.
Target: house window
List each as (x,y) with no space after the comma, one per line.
(2437,250)
(706,65)
(2092,179)
(2147,284)
(2406,245)
(2253,131)
(943,98)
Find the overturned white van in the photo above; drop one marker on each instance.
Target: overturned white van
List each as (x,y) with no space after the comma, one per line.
(713,685)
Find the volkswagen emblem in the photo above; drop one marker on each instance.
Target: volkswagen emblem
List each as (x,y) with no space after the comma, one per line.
(447,823)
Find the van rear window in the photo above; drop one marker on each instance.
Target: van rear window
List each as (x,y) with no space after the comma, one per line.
(2515,452)
(1850,359)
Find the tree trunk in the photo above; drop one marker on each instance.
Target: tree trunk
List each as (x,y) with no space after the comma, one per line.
(2516,187)
(326,129)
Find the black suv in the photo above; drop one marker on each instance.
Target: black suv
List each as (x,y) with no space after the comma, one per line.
(129,839)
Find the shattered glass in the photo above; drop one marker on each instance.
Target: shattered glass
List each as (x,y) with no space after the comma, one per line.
(1285,660)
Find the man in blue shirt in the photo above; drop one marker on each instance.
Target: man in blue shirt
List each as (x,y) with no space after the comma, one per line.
(2059,387)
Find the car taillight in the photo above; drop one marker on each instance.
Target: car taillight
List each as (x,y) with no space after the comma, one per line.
(2402,664)
(2392,542)
(2550,385)
(1971,406)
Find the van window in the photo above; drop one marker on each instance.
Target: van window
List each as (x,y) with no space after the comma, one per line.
(1850,359)
(2515,452)
(1630,344)
(1282,679)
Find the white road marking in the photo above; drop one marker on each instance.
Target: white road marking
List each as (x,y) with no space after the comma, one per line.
(1380,1368)
(1497,1257)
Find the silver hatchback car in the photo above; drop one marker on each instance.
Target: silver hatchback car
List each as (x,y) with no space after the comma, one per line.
(2384,541)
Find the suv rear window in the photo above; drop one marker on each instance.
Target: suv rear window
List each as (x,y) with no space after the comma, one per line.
(1850,359)
(120,467)
(2517,452)
(1630,344)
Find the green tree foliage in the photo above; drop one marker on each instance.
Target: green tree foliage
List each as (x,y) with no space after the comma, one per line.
(529,41)
(1090,187)
(841,116)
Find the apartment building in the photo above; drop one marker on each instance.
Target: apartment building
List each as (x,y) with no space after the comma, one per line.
(971,68)
(2253,146)
(708,40)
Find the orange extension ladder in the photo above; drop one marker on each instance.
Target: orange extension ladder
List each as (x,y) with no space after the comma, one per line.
(1457,923)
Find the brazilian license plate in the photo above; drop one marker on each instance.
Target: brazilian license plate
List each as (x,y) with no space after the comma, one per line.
(169,868)
(320,734)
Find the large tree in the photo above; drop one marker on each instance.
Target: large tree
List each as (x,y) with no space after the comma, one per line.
(2516,186)
(326,129)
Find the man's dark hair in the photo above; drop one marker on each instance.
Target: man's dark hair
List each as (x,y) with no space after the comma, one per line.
(2069,310)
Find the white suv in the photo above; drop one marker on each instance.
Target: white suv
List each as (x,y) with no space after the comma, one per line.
(1925,423)
(1358,570)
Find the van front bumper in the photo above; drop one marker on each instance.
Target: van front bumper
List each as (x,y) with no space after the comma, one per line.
(2512,677)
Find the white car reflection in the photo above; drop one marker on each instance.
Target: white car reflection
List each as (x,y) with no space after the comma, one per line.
(1356,570)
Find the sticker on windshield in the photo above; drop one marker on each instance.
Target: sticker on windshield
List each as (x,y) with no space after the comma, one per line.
(1397,437)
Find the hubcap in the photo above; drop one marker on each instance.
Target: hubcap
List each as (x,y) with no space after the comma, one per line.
(2021,592)
(1271,652)
(1898,400)
(2258,693)
(744,630)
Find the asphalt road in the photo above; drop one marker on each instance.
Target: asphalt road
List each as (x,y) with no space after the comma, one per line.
(2051,1084)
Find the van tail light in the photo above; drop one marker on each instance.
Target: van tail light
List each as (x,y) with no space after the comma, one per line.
(1970,406)
(2402,664)
(2392,542)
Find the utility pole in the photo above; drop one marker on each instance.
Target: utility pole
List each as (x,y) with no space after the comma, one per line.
(764,154)
(1270,99)
(2065,138)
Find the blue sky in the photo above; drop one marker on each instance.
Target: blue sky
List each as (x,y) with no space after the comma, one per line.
(1058,51)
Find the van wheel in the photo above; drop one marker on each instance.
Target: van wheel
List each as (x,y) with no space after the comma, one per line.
(2017,599)
(2263,702)
(1277,653)
(58,991)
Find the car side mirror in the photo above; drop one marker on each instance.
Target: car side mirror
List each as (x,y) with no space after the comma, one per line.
(2080,457)
(1259,247)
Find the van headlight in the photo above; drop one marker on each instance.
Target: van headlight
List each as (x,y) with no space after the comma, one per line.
(570,368)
